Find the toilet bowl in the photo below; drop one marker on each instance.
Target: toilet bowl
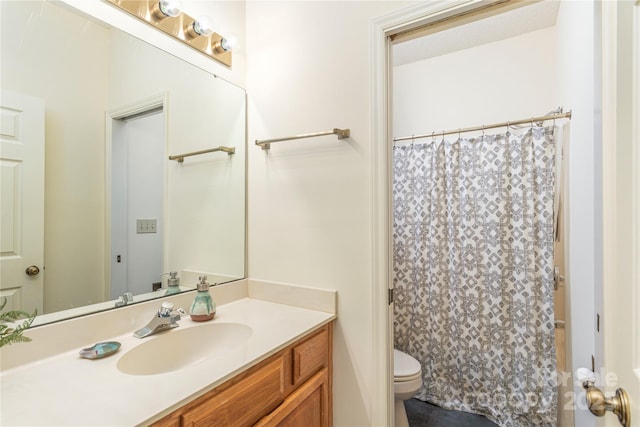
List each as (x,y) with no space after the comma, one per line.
(407,380)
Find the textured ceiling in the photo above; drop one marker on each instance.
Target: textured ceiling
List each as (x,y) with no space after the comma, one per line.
(498,27)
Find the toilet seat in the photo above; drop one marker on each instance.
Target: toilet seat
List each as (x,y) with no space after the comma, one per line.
(407,378)
(405,367)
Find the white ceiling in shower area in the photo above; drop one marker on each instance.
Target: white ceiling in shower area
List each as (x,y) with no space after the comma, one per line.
(515,22)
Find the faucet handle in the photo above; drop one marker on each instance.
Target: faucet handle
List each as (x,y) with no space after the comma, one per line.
(124,299)
(165,309)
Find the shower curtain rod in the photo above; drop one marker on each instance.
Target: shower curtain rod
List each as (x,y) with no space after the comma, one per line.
(532,120)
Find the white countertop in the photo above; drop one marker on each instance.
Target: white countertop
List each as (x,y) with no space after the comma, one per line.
(67,390)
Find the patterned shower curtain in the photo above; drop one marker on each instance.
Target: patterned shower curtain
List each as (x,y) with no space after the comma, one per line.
(473,272)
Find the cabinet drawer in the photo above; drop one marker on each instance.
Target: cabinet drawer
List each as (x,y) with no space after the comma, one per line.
(310,356)
(244,402)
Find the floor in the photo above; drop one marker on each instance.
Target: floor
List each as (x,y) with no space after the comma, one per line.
(423,414)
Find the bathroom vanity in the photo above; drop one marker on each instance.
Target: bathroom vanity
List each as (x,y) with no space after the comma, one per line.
(267,361)
(292,387)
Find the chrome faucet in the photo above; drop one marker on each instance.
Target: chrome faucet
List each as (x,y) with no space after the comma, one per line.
(166,318)
(124,299)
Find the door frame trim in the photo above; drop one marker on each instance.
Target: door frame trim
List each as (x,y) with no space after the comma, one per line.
(382,29)
(615,231)
(138,107)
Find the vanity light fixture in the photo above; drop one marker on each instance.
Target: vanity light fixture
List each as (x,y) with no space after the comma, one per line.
(167,9)
(202,26)
(167,16)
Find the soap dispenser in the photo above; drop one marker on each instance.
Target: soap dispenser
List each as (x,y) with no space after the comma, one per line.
(203,307)
(173,283)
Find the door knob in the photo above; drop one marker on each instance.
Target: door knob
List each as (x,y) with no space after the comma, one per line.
(599,404)
(32,270)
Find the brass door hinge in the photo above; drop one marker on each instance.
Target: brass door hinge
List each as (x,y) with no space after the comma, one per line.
(390,299)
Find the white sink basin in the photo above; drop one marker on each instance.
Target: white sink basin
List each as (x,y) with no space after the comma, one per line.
(178,348)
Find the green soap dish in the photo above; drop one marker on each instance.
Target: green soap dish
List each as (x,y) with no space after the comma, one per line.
(100,350)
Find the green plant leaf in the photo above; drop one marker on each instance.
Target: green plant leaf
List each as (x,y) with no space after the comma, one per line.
(13,334)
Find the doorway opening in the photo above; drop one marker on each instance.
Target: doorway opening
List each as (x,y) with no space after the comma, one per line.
(556,92)
(136,198)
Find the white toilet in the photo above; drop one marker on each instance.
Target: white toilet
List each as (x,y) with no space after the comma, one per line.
(407,380)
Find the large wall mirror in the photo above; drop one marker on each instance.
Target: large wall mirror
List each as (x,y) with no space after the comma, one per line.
(92,206)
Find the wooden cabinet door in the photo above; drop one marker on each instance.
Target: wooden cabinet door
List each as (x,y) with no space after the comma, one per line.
(310,356)
(308,406)
(244,402)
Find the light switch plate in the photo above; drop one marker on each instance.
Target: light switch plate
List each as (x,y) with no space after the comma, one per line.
(146,226)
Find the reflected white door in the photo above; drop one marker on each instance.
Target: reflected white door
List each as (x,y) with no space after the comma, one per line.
(137,195)
(22,201)
(621,202)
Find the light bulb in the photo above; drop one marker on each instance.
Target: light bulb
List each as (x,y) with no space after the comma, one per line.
(203,26)
(227,43)
(171,8)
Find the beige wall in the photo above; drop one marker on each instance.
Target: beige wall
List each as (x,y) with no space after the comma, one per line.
(74,94)
(310,206)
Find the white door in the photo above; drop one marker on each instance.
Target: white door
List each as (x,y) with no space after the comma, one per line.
(22,201)
(621,202)
(137,194)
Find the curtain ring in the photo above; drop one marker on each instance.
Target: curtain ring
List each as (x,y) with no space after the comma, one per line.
(459,133)
(531,122)
(443,134)
(433,136)
(483,129)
